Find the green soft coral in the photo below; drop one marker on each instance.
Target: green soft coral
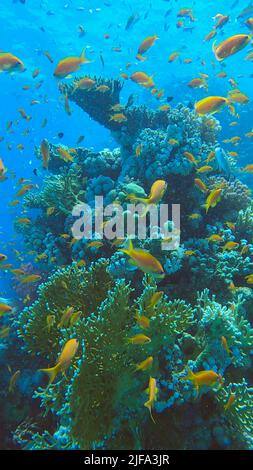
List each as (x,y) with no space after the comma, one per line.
(81,288)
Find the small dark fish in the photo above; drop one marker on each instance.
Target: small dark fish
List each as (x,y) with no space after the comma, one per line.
(60,135)
(169,98)
(168,12)
(35,171)
(21,1)
(102,60)
(130,101)
(234,4)
(132,20)
(80,139)
(246,12)
(50,13)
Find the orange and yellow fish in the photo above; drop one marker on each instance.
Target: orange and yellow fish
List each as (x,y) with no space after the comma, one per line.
(64,360)
(10,63)
(70,64)
(230,46)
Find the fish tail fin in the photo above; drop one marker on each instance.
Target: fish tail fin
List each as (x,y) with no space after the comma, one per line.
(134,198)
(83,57)
(190,375)
(128,249)
(214,49)
(52,373)
(148,404)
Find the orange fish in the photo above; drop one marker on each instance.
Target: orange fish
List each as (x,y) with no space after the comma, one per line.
(64,360)
(10,63)
(212,105)
(45,152)
(230,46)
(147,43)
(204,377)
(144,260)
(69,65)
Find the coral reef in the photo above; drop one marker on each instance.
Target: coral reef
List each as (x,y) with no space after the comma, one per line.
(90,290)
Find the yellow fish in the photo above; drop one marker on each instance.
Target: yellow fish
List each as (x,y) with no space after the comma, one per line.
(230,46)
(64,360)
(146,364)
(213,198)
(13,380)
(69,65)
(152,391)
(230,402)
(230,246)
(204,377)
(157,192)
(139,339)
(144,260)
(212,105)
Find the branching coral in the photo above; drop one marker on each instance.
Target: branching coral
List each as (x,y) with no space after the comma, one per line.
(61,191)
(70,287)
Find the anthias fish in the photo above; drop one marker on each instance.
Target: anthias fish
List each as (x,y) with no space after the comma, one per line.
(69,65)
(64,360)
(230,46)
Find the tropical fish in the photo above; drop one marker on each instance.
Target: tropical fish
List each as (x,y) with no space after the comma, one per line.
(4,332)
(103,88)
(147,43)
(63,361)
(50,322)
(139,339)
(156,297)
(65,317)
(142,321)
(205,169)
(198,83)
(173,56)
(229,246)
(10,63)
(231,46)
(69,65)
(144,260)
(4,308)
(225,345)
(213,198)
(221,20)
(2,257)
(201,185)
(249,278)
(215,238)
(146,364)
(142,79)
(212,105)
(152,391)
(248,168)
(64,154)
(204,377)
(118,117)
(230,402)
(30,279)
(13,381)
(157,192)
(85,83)
(190,157)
